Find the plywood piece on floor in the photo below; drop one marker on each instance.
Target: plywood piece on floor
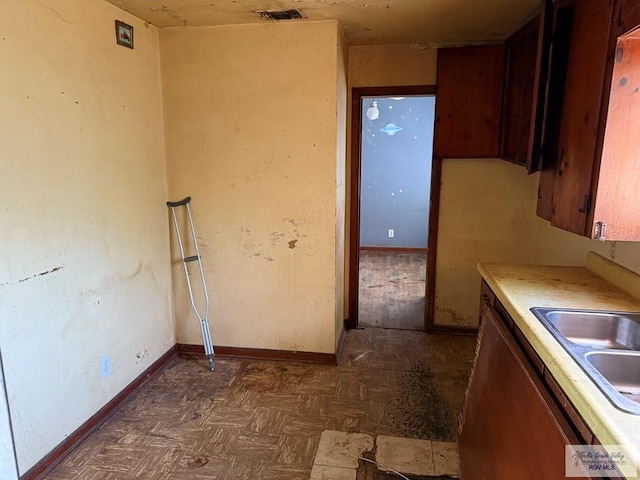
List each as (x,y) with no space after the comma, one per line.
(445,459)
(324,472)
(405,455)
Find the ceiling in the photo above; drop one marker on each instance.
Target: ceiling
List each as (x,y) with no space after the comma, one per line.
(364,22)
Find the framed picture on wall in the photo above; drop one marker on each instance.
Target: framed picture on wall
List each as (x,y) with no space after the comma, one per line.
(124,34)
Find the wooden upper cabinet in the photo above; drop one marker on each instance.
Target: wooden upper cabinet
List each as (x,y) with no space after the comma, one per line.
(581,114)
(468,102)
(526,65)
(561,23)
(589,185)
(616,210)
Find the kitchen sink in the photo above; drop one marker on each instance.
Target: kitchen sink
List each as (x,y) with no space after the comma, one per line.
(597,329)
(621,370)
(606,345)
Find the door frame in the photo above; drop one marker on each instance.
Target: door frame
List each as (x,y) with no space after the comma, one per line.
(357,93)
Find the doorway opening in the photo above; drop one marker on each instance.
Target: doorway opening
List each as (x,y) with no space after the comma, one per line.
(392,198)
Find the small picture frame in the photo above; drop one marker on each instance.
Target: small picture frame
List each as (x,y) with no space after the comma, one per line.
(124,34)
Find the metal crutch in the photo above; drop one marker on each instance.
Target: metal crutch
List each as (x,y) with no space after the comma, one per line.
(204,322)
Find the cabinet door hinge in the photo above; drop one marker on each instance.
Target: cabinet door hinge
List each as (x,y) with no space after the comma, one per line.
(600,231)
(587,204)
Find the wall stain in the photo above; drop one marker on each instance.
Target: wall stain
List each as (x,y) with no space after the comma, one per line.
(449,316)
(56,12)
(292,244)
(41,274)
(172,14)
(134,274)
(275,238)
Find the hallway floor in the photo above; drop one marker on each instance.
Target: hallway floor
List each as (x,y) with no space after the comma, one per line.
(255,419)
(392,288)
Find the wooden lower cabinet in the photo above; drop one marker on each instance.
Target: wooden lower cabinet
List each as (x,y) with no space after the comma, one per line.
(510,427)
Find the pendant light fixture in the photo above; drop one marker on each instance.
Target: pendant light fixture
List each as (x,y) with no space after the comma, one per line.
(372,112)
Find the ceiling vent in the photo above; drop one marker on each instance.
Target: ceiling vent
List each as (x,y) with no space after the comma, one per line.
(280,14)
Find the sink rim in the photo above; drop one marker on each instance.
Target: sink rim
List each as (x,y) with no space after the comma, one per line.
(579,353)
(544,313)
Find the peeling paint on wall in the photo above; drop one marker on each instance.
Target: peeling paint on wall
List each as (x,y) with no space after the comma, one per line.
(41,274)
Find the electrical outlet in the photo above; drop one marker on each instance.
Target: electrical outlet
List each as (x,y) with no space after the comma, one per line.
(392,233)
(105,366)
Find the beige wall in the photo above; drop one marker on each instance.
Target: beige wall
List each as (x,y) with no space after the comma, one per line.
(391,65)
(487,215)
(85,250)
(251,133)
(553,246)
(341,182)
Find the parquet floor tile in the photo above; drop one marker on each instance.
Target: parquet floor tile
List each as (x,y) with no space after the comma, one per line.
(263,419)
(392,289)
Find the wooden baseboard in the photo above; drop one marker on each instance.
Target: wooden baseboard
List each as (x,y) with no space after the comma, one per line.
(453,330)
(394,249)
(260,354)
(53,458)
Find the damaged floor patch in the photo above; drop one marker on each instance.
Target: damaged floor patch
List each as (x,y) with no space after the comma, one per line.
(356,456)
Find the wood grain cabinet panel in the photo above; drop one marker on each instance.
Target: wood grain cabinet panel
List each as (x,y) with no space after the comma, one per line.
(581,114)
(590,168)
(525,89)
(510,427)
(468,102)
(617,191)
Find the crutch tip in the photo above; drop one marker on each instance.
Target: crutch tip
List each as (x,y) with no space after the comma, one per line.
(211,365)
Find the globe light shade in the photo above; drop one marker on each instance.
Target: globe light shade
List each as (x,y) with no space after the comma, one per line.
(372,112)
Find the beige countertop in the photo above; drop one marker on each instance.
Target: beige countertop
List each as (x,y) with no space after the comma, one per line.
(600,285)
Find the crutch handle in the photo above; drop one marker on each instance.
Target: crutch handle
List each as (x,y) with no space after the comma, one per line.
(179,203)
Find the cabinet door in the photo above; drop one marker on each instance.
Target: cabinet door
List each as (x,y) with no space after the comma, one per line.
(520,69)
(468,102)
(510,427)
(562,21)
(581,114)
(617,197)
(526,65)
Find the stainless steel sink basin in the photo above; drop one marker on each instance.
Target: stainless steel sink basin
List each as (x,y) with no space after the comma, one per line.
(606,345)
(621,370)
(597,329)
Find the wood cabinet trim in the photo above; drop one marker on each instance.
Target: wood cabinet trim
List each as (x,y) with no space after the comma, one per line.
(572,417)
(510,427)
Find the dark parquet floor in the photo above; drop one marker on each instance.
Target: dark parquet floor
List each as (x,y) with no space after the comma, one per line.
(262,420)
(392,289)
